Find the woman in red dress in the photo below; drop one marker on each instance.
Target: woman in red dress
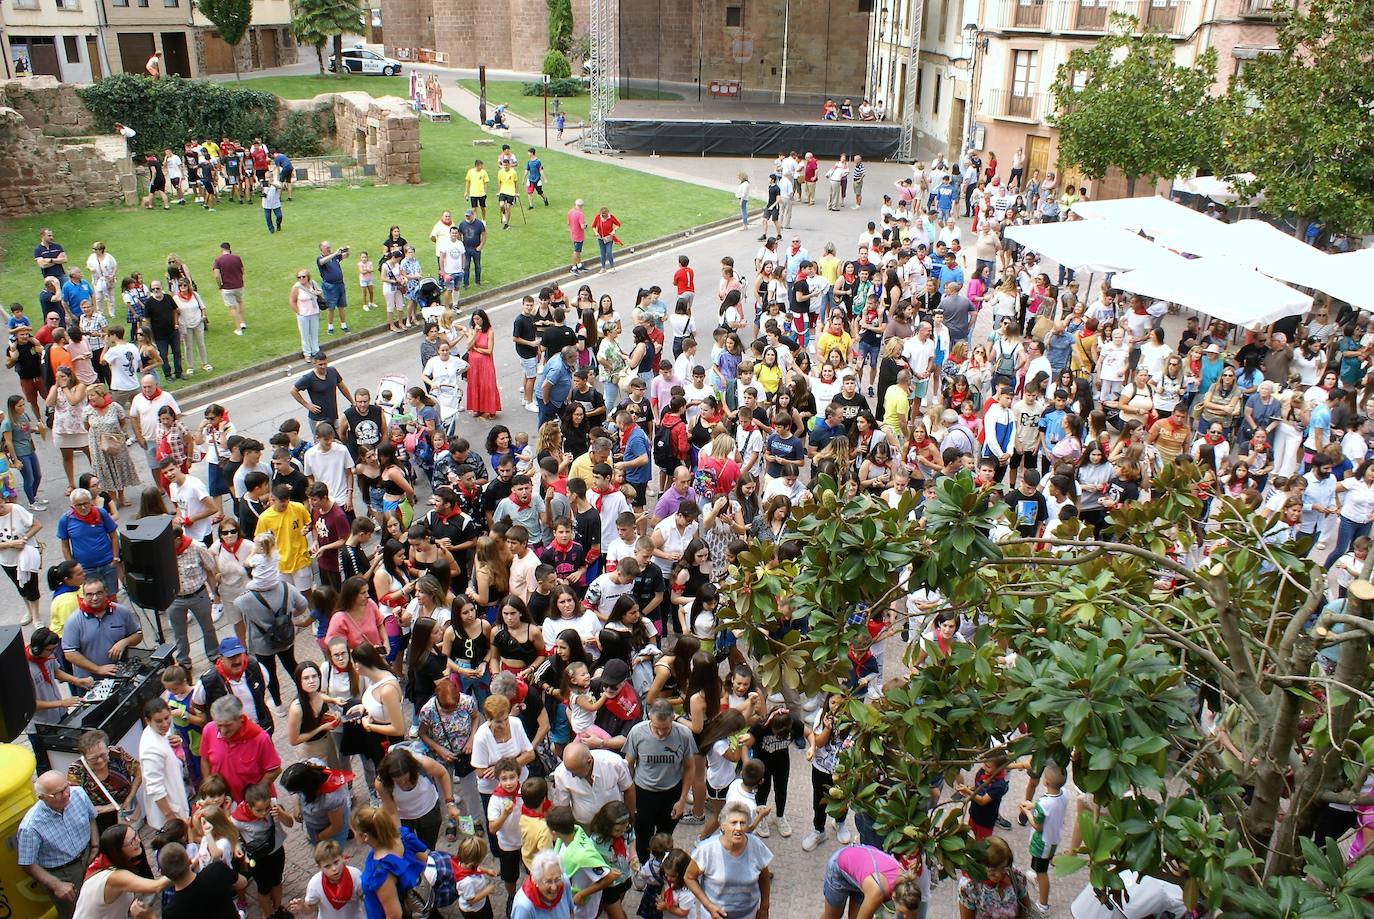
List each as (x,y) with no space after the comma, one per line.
(484,399)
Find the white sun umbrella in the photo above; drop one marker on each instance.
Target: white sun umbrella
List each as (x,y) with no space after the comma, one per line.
(1276,253)
(1171,225)
(1088,245)
(1224,290)
(1351,278)
(1217,188)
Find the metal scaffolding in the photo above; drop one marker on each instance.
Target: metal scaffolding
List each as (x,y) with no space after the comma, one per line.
(605,69)
(906,147)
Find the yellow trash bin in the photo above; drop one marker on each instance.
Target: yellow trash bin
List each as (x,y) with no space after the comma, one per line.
(21,897)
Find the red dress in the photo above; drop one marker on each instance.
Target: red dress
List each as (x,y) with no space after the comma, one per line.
(483,396)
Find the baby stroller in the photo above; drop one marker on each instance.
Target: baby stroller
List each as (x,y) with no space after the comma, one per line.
(427,298)
(391,392)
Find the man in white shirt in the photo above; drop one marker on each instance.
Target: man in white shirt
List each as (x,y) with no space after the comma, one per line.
(919,352)
(331,464)
(452,265)
(124,362)
(194,505)
(588,780)
(143,409)
(439,235)
(1039,364)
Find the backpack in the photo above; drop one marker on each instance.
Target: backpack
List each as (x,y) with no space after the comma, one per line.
(282,632)
(667,453)
(1006,362)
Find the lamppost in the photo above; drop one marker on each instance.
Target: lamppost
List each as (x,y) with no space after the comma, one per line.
(978,42)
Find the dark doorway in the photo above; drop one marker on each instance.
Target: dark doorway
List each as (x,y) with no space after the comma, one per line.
(134,50)
(175,59)
(43,56)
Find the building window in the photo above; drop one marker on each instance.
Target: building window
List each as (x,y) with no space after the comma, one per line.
(734,17)
(69,4)
(935,96)
(26,4)
(944,20)
(865,6)
(1024,79)
(925,21)
(920,82)
(171,3)
(73,49)
(119,2)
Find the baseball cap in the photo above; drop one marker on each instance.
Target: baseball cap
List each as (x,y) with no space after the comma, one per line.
(1213,348)
(231,647)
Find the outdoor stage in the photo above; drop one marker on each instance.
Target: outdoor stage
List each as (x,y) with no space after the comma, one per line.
(730,127)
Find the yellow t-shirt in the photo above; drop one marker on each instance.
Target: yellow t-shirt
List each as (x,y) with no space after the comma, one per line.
(60,610)
(534,838)
(768,377)
(828,340)
(829,267)
(506,180)
(476,182)
(896,406)
(289,527)
(211,149)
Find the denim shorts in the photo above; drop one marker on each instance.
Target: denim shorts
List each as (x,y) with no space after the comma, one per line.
(529,366)
(837,887)
(334,295)
(868,354)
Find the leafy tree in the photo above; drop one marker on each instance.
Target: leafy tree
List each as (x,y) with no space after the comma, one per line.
(231,19)
(317,22)
(1301,118)
(560,25)
(1125,103)
(1100,648)
(556,66)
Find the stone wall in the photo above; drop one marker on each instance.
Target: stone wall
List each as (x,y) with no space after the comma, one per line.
(41,174)
(519,43)
(383,133)
(44,103)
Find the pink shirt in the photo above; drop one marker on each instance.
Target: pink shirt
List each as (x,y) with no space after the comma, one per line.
(242,761)
(369,630)
(862,862)
(577,225)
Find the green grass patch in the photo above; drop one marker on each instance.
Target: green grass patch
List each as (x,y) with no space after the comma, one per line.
(531,108)
(648,206)
(310,87)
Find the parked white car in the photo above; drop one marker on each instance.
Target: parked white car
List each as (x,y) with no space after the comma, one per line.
(360,60)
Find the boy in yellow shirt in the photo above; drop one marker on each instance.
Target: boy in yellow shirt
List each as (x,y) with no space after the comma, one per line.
(289,522)
(507,191)
(475,184)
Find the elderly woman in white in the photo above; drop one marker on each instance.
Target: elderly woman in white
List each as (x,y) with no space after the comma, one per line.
(546,893)
(164,785)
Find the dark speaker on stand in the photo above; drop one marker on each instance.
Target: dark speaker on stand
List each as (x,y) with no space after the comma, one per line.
(17,703)
(150,563)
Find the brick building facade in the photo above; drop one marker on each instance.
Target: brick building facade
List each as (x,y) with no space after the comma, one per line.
(502,34)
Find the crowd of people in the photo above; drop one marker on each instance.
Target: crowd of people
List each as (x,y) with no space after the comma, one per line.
(515,642)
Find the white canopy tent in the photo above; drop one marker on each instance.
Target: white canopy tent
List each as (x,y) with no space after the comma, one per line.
(1275,253)
(1232,293)
(1087,245)
(1218,188)
(1168,224)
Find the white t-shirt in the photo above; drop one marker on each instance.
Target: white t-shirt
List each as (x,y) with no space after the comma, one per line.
(331,467)
(720,772)
(353,909)
(738,794)
(125,364)
(617,550)
(440,234)
(604,591)
(1112,362)
(508,837)
(919,354)
(187,497)
(1357,500)
(674,540)
(173,166)
(486,750)
(610,506)
(453,252)
(14,524)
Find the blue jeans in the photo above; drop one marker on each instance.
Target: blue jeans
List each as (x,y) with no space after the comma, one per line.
(611,392)
(106,574)
(744,211)
(547,411)
(607,256)
(268,213)
(473,266)
(32,475)
(1346,533)
(170,361)
(309,327)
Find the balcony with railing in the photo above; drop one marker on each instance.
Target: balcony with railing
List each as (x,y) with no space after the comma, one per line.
(1172,17)
(1013,105)
(1260,9)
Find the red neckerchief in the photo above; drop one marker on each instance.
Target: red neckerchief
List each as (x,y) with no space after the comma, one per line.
(531,890)
(499,792)
(339,892)
(247,731)
(464,492)
(219,666)
(536,814)
(98,864)
(516,501)
(600,496)
(233,547)
(461,871)
(668,895)
(941,642)
(42,666)
(244,814)
(86,608)
(445,518)
(562,546)
(618,847)
(625,437)
(101,406)
(90,518)
(184,544)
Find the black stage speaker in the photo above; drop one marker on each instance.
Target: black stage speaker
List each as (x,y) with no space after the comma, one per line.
(150,562)
(17,703)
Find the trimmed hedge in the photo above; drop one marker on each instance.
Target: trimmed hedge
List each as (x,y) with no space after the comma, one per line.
(168,112)
(564,88)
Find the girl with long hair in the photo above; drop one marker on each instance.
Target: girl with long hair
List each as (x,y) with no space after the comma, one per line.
(312,716)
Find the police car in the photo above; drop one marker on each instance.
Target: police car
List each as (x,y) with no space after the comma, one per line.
(360,60)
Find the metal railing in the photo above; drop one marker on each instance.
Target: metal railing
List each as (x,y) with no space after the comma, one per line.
(1172,17)
(1003,103)
(1264,8)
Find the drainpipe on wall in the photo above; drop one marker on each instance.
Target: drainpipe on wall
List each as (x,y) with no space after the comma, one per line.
(102,23)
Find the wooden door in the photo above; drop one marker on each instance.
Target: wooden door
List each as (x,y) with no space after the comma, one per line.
(93,55)
(43,59)
(134,50)
(954,144)
(1037,155)
(218,56)
(175,59)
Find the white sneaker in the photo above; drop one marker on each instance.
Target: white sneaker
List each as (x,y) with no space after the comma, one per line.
(190,372)
(811,840)
(531,407)
(762,831)
(784,828)
(239,331)
(217,612)
(207,368)
(843,835)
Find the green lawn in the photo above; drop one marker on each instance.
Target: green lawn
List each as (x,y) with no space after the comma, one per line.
(531,108)
(359,217)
